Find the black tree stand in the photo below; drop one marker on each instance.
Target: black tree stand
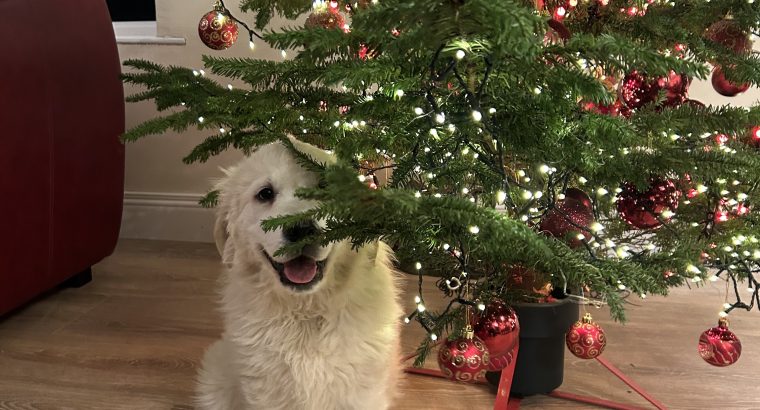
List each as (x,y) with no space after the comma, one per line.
(541,362)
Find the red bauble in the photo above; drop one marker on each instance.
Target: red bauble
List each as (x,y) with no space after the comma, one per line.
(557,33)
(329,18)
(218,30)
(728,33)
(586,338)
(613,110)
(676,87)
(725,87)
(499,329)
(642,209)
(719,346)
(464,359)
(563,221)
(637,90)
(695,103)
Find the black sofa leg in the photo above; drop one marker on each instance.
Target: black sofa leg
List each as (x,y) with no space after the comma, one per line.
(80,279)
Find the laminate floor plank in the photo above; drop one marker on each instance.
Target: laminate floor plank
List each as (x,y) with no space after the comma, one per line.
(133,339)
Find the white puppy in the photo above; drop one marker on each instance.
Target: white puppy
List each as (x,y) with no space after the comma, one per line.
(315,331)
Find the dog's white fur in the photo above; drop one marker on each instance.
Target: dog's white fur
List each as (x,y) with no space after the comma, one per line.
(335,346)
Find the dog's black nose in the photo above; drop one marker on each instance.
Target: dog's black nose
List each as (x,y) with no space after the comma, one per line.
(300,231)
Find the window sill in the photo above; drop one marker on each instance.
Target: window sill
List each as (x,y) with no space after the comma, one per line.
(142,32)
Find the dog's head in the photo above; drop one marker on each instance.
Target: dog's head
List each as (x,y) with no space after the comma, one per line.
(264,186)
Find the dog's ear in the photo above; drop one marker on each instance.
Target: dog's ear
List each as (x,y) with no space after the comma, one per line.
(221,233)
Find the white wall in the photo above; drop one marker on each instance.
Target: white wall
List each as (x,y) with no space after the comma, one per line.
(161,192)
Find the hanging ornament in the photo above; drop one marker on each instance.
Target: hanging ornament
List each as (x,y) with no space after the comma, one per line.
(727,33)
(647,210)
(499,329)
(557,32)
(326,17)
(586,338)
(719,346)
(725,87)
(613,110)
(217,29)
(637,90)
(464,359)
(694,103)
(568,218)
(676,87)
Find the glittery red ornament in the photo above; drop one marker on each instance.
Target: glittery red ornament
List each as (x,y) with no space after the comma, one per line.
(719,346)
(637,90)
(725,87)
(464,359)
(642,209)
(568,217)
(499,329)
(218,30)
(728,34)
(586,338)
(329,18)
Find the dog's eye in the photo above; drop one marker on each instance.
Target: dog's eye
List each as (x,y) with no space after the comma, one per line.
(265,195)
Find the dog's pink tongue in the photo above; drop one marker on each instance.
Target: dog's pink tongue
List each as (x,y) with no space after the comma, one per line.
(301,269)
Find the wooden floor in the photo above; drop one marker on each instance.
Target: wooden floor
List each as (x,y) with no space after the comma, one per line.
(132,339)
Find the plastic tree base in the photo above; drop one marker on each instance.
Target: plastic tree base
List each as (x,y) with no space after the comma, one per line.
(503,400)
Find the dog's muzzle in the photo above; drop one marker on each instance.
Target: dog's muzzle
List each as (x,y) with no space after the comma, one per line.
(300,273)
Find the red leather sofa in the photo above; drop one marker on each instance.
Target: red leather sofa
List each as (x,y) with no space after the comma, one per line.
(61,161)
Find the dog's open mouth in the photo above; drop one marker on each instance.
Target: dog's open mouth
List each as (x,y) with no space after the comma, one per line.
(300,273)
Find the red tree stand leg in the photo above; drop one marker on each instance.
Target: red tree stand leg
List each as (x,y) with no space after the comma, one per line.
(504,402)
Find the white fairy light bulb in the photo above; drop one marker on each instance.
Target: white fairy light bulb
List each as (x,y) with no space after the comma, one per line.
(602,192)
(596,227)
(446,246)
(544,169)
(527,195)
(474,229)
(201,119)
(433,337)
(501,196)
(418,266)
(459,54)
(418,111)
(406,320)
(481,306)
(283,54)
(417,194)
(420,308)
(362,178)
(417,299)
(492,110)
(399,93)
(440,118)
(722,314)
(476,115)
(465,190)
(582,180)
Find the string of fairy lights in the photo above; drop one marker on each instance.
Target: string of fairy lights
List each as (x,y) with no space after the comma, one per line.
(521,197)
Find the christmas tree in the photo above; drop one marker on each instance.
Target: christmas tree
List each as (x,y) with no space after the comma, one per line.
(528,146)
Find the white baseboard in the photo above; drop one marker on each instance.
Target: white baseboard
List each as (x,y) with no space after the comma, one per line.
(166,216)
